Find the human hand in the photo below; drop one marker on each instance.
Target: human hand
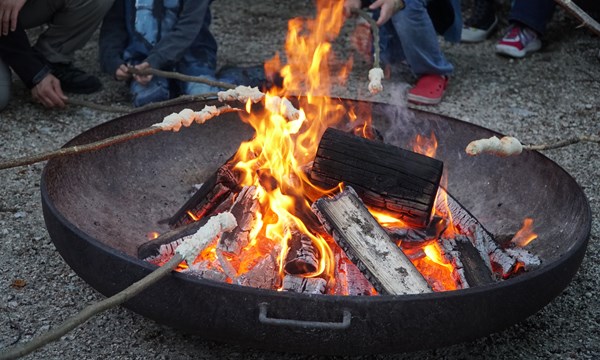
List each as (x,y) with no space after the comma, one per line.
(9,12)
(49,93)
(122,73)
(142,79)
(349,5)
(387,9)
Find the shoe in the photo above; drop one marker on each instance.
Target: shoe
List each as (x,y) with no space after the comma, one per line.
(481,23)
(74,80)
(428,90)
(250,76)
(518,42)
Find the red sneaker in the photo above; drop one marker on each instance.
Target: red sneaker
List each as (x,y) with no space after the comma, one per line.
(428,90)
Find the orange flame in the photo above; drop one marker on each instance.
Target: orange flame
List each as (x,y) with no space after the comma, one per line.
(525,235)
(281,148)
(425,145)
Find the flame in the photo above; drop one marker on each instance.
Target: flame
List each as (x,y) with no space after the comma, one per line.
(282,149)
(152,235)
(192,216)
(425,145)
(387,220)
(525,235)
(432,264)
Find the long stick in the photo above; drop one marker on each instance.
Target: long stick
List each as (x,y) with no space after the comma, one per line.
(79,149)
(563,143)
(374,30)
(93,309)
(576,11)
(181,77)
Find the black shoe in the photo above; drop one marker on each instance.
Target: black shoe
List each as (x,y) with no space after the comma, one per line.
(74,80)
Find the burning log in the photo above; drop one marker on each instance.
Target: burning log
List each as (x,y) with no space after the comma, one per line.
(264,274)
(472,269)
(302,257)
(368,246)
(216,190)
(348,278)
(385,176)
(244,209)
(304,285)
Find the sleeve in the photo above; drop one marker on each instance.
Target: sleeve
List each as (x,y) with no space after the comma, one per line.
(173,45)
(113,38)
(27,63)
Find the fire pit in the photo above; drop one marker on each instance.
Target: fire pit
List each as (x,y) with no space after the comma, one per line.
(99,207)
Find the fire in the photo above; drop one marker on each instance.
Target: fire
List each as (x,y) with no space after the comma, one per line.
(425,145)
(525,235)
(275,159)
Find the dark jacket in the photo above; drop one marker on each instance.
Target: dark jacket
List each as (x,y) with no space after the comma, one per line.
(29,64)
(117,35)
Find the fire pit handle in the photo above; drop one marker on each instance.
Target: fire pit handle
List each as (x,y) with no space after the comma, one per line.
(264,319)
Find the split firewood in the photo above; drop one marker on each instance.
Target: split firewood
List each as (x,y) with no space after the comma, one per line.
(468,262)
(244,209)
(304,285)
(368,246)
(187,251)
(97,145)
(264,274)
(216,195)
(509,145)
(349,280)
(386,177)
(302,256)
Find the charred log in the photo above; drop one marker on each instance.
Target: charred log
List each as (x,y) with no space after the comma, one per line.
(368,246)
(468,263)
(385,176)
(304,285)
(302,256)
(244,209)
(348,278)
(264,274)
(211,194)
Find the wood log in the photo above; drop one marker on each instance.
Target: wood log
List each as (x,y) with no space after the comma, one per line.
(304,285)
(244,209)
(384,176)
(264,274)
(348,278)
(470,267)
(211,194)
(302,256)
(368,245)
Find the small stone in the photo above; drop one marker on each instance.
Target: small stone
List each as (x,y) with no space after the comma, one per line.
(588,106)
(20,214)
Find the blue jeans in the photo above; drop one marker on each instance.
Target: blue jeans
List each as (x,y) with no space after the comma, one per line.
(410,36)
(533,13)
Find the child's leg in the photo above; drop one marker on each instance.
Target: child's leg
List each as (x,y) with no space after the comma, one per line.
(419,41)
(156,90)
(5,84)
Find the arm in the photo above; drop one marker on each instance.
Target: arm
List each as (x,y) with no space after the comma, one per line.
(172,46)
(31,67)
(387,7)
(113,40)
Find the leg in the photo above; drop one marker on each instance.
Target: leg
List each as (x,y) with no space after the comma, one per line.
(419,41)
(534,14)
(5,84)
(71,24)
(156,90)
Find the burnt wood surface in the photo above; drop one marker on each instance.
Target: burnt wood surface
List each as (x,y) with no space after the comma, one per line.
(244,209)
(384,176)
(302,256)
(368,245)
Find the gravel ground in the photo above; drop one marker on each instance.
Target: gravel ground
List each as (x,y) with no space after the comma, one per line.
(549,95)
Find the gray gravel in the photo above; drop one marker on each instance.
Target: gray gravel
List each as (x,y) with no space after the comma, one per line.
(549,95)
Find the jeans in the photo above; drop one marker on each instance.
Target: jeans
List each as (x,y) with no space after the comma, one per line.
(5,84)
(410,36)
(533,13)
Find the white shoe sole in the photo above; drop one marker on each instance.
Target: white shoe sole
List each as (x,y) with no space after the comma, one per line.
(474,35)
(512,51)
(423,100)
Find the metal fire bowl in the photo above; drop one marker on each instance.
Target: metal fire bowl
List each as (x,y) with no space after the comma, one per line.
(99,206)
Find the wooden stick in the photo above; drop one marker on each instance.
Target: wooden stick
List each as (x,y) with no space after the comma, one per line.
(97,145)
(151,106)
(576,11)
(563,143)
(374,30)
(181,77)
(88,312)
